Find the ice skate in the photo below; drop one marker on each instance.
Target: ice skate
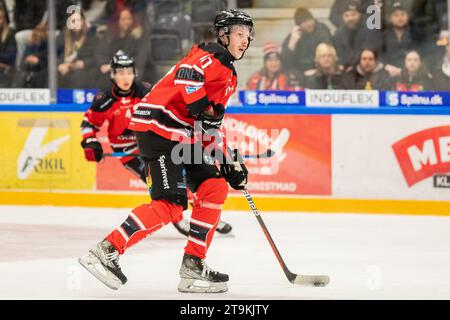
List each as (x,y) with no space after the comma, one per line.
(102,263)
(197,277)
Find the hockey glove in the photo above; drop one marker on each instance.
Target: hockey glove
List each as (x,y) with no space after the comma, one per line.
(210,122)
(92,149)
(214,121)
(235,173)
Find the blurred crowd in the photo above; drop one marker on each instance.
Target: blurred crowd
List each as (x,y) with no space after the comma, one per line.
(405,48)
(88,33)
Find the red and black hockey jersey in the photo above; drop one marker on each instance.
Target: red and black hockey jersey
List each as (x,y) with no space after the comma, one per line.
(203,80)
(115,107)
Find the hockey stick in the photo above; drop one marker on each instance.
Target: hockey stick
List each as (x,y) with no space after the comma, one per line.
(312,280)
(275,149)
(267,154)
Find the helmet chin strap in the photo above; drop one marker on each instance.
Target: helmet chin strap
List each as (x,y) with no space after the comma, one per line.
(226,46)
(248,45)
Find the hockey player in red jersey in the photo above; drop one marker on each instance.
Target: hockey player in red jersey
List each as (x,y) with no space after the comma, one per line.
(115,105)
(195,90)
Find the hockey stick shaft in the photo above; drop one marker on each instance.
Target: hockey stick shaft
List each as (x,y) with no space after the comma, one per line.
(255,211)
(314,280)
(268,154)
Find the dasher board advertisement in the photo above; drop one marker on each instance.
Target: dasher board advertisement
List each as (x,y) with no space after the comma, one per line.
(391,157)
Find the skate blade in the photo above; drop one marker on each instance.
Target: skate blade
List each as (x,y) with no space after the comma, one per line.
(199,286)
(93,265)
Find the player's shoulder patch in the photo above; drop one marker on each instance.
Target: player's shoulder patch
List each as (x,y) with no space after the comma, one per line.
(192,89)
(103,100)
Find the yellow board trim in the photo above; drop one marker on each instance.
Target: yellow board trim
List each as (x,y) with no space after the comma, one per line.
(264,203)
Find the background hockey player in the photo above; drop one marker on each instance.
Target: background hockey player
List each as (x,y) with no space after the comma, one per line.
(195,89)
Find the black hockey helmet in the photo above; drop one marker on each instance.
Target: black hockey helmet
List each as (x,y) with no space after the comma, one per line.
(121,60)
(227,18)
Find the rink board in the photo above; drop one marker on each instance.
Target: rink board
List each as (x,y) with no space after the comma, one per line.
(328,163)
(236,202)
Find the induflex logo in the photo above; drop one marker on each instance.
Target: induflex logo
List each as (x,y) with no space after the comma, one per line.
(424,154)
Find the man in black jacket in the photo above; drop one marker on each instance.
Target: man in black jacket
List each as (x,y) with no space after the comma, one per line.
(300,45)
(369,74)
(398,39)
(353,35)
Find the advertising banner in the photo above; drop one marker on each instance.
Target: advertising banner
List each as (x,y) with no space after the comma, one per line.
(342,98)
(391,157)
(76,96)
(24,96)
(267,98)
(301,164)
(111,174)
(42,151)
(416,99)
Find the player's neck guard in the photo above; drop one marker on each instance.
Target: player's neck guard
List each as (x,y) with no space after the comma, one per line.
(122,93)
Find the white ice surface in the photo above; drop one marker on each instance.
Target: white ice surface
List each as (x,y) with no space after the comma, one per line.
(366,256)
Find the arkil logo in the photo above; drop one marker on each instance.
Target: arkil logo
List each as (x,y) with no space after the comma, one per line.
(424,154)
(34,155)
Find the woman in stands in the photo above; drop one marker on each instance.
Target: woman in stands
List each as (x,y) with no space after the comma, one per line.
(414,75)
(123,34)
(271,76)
(33,67)
(76,61)
(327,74)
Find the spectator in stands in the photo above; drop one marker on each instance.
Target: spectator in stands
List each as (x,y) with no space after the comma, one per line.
(27,15)
(338,8)
(422,13)
(327,74)
(441,74)
(114,8)
(76,60)
(300,45)
(442,14)
(353,35)
(124,35)
(414,75)
(33,67)
(398,39)
(271,76)
(8,7)
(7,50)
(368,74)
